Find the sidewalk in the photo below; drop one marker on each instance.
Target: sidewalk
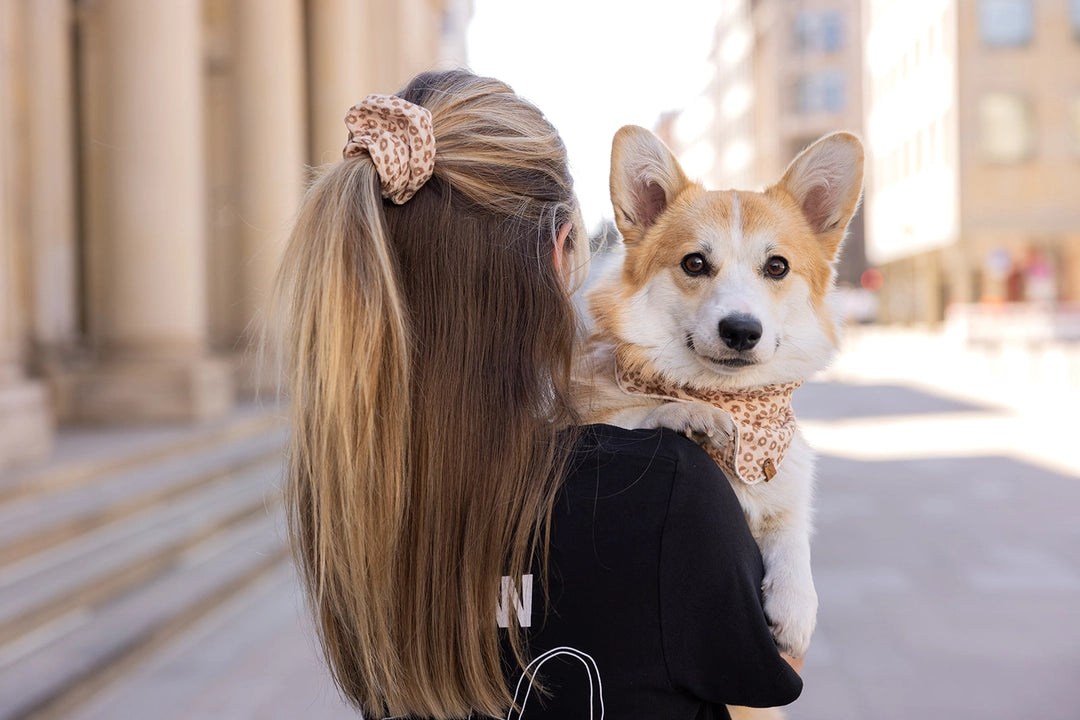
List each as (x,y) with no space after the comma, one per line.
(1019,375)
(947,552)
(254,659)
(1032,389)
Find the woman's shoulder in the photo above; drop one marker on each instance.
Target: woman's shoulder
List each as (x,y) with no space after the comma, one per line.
(676,495)
(668,460)
(660,445)
(623,490)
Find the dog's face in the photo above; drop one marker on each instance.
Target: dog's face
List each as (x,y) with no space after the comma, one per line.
(727,289)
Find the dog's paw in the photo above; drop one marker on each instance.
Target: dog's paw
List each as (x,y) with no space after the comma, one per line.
(703,423)
(791,607)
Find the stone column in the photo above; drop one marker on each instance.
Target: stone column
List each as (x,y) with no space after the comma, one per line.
(10,324)
(385,46)
(269,112)
(26,421)
(50,189)
(418,35)
(148,217)
(26,426)
(339,74)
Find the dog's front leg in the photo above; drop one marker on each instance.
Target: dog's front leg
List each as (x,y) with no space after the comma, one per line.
(703,423)
(788,589)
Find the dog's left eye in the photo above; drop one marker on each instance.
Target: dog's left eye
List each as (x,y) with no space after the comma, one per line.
(694,264)
(776,267)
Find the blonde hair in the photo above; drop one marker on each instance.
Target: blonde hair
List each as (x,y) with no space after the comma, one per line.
(428,350)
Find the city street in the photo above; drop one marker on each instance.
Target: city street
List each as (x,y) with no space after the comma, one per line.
(949,586)
(947,559)
(947,555)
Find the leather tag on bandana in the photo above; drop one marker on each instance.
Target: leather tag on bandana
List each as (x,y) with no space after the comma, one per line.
(763,419)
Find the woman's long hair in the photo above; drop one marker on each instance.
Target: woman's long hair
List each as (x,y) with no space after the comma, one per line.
(428,353)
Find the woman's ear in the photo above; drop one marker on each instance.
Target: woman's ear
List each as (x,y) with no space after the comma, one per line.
(558,253)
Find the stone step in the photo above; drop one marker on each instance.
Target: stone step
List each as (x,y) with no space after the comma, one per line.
(106,558)
(118,556)
(60,665)
(260,641)
(82,455)
(36,522)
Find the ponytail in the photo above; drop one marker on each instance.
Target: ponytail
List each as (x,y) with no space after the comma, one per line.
(346,352)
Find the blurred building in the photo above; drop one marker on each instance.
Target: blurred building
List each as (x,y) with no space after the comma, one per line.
(973,127)
(152,154)
(785,72)
(715,136)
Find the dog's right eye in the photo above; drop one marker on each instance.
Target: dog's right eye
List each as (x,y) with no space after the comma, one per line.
(694,264)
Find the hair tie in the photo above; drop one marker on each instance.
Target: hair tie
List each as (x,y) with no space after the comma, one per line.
(398,136)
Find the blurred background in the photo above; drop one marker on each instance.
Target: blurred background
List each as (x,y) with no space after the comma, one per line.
(153,152)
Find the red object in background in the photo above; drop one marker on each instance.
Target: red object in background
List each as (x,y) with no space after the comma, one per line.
(872,279)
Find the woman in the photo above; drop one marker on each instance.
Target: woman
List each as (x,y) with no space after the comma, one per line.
(462,545)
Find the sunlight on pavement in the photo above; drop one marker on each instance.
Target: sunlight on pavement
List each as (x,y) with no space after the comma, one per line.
(1023,396)
(1045,444)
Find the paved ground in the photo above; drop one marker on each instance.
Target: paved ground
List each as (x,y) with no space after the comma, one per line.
(950,588)
(947,557)
(253,660)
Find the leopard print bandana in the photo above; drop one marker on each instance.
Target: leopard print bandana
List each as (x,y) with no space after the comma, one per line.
(763,418)
(398,136)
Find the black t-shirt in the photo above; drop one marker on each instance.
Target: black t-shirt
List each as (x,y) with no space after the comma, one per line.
(654,606)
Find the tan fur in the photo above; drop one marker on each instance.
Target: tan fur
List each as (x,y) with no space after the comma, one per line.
(660,319)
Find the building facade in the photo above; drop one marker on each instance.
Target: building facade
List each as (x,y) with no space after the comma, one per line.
(152,154)
(973,123)
(785,73)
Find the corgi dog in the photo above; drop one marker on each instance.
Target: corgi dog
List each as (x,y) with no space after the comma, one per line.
(717,312)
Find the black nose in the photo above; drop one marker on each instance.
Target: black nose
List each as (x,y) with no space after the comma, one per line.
(740,332)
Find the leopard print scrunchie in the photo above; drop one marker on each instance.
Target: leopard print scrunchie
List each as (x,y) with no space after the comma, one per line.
(398,136)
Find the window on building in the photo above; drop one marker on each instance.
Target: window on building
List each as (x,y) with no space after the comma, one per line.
(804,95)
(832,31)
(820,92)
(1006,23)
(819,32)
(804,31)
(833,91)
(1005,127)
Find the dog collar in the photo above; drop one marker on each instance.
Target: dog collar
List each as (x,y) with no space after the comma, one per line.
(762,416)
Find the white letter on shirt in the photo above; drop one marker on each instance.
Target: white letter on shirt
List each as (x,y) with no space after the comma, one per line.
(522,603)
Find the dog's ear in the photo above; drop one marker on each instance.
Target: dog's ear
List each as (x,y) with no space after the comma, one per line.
(826,182)
(645,179)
